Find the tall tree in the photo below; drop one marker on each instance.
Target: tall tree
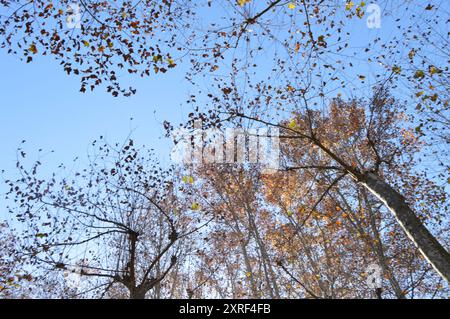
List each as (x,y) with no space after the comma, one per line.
(117,222)
(368,155)
(301,66)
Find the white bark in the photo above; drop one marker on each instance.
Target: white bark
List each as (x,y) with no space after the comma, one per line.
(427,244)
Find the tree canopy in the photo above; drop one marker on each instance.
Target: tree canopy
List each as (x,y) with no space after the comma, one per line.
(359,95)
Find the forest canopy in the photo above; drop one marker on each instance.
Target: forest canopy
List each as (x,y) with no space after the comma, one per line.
(351,97)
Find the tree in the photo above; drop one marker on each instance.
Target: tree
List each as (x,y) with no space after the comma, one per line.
(116,222)
(372,137)
(14,275)
(94,40)
(232,194)
(268,224)
(359,115)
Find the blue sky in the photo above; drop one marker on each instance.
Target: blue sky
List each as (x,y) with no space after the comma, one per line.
(39,103)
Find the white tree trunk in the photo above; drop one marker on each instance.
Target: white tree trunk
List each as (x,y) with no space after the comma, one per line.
(427,244)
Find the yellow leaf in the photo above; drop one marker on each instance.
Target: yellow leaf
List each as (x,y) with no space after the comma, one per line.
(86,44)
(396,69)
(290,213)
(195,206)
(419,74)
(243,2)
(292,124)
(290,88)
(157,58)
(171,62)
(291,5)
(33,48)
(359,12)
(433,70)
(349,5)
(188,179)
(248,274)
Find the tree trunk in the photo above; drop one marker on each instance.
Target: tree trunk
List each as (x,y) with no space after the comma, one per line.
(427,244)
(266,262)
(137,294)
(379,250)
